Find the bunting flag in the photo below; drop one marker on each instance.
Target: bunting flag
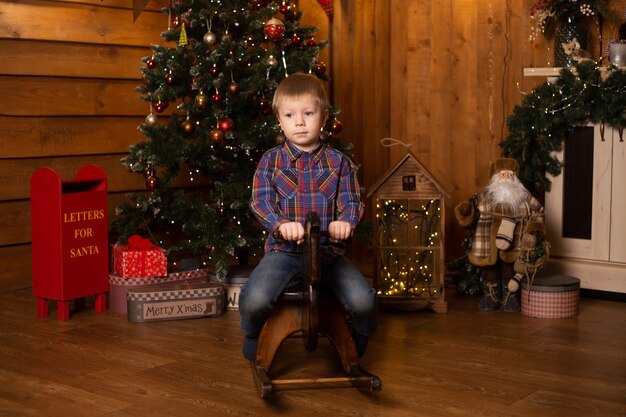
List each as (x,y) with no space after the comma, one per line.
(138,6)
(327,5)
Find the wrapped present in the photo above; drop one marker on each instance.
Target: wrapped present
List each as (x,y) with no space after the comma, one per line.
(119,286)
(175,302)
(139,258)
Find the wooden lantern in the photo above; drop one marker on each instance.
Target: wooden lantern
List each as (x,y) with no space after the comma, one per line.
(408,234)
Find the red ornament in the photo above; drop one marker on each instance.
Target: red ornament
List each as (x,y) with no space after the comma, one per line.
(295,39)
(148,172)
(320,69)
(220,209)
(161,105)
(216,136)
(288,9)
(152,183)
(169,79)
(274,29)
(335,127)
(311,42)
(214,70)
(266,107)
(151,63)
(258,4)
(226,124)
(217,97)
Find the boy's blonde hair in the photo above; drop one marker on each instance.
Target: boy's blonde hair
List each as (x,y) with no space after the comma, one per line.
(297,85)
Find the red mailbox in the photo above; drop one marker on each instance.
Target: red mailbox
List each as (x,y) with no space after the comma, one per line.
(69,238)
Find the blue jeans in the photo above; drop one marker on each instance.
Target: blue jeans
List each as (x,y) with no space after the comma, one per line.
(281,270)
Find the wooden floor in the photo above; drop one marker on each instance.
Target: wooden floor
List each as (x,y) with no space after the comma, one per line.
(463,363)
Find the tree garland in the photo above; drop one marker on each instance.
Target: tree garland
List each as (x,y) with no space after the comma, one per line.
(540,125)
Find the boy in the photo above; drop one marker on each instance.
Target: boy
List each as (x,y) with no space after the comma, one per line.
(292,179)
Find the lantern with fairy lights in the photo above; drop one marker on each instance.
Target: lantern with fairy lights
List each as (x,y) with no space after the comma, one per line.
(408,237)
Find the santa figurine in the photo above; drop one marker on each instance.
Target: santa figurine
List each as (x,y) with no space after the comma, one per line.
(505,208)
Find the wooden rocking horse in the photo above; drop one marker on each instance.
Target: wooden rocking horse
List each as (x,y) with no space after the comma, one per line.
(308,313)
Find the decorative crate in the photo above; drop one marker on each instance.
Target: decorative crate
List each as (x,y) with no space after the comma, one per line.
(551,297)
(175,302)
(233,283)
(119,286)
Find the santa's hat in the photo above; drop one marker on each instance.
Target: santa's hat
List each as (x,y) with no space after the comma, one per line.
(504,164)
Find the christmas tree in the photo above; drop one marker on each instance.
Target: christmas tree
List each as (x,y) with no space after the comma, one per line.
(210,120)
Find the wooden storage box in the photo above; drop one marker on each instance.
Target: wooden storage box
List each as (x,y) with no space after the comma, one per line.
(175,302)
(119,286)
(551,297)
(233,283)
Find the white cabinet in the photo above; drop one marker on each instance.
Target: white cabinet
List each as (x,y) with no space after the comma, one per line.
(586,210)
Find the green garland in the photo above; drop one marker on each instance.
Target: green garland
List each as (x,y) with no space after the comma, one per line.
(540,125)
(543,121)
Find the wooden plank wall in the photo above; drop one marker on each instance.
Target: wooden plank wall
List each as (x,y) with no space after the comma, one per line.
(67,87)
(440,75)
(68,73)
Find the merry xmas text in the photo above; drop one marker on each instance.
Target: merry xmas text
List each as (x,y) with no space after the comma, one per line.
(179,309)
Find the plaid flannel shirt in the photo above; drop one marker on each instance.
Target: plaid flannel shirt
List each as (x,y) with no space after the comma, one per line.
(289,183)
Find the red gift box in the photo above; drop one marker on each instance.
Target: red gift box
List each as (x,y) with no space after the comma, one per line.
(139,258)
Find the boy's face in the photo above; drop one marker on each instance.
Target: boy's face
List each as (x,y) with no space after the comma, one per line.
(301,120)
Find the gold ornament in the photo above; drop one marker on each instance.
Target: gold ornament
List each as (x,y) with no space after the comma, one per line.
(201,99)
(216,136)
(182,41)
(187,126)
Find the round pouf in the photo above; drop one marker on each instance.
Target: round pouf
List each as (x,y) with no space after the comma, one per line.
(551,297)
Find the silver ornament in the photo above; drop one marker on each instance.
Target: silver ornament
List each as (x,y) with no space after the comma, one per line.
(210,38)
(152,119)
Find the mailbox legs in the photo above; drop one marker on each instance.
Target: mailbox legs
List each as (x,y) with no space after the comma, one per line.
(101,303)
(63,306)
(63,312)
(42,307)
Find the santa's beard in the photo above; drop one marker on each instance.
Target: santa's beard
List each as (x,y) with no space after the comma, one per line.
(507,193)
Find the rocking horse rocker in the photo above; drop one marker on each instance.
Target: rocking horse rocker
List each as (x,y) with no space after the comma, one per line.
(308,313)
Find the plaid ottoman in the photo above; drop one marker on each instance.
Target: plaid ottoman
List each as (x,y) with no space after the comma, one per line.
(551,297)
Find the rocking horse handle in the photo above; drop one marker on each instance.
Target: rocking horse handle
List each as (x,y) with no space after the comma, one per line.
(311,278)
(312,275)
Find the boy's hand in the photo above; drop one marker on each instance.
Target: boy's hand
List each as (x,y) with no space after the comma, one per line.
(339,230)
(292,231)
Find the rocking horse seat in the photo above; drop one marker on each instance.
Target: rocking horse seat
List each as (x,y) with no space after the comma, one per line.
(309,313)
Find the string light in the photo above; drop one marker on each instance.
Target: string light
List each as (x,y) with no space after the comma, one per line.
(408,261)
